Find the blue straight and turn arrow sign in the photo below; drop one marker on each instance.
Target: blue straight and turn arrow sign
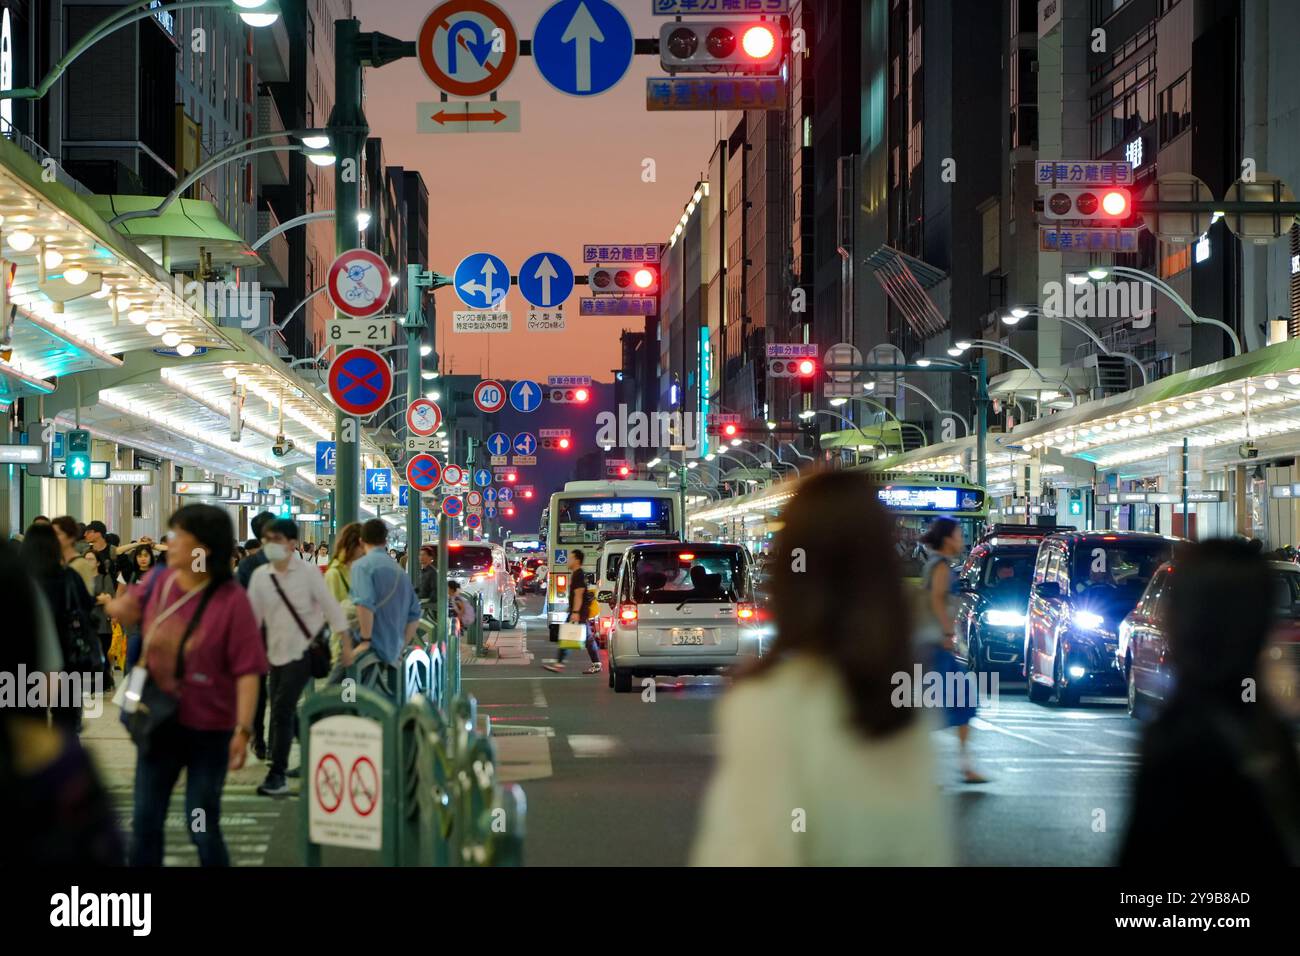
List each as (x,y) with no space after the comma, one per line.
(525,443)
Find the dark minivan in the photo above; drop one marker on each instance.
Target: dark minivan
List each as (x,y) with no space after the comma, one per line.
(1084,584)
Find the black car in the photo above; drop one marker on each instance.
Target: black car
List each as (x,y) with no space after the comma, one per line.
(994,587)
(1084,585)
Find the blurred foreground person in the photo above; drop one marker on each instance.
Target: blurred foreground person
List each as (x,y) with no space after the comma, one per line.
(936,639)
(1219,782)
(816,765)
(53,809)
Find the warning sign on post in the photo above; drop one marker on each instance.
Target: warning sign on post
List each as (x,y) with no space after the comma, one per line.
(346,762)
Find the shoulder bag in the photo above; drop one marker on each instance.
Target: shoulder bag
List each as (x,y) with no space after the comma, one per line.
(154,712)
(318,645)
(85,652)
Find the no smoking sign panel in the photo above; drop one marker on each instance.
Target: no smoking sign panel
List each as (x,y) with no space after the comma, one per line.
(359,283)
(346,801)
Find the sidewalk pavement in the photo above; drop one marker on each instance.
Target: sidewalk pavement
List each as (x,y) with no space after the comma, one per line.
(500,647)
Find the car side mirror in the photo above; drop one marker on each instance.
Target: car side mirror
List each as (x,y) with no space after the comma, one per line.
(605,597)
(1049,590)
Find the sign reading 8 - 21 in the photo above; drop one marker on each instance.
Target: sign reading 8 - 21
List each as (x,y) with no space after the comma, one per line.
(359,332)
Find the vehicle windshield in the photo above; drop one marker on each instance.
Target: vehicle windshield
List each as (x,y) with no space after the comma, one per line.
(1008,573)
(1286,594)
(1117,567)
(612,563)
(468,559)
(582,521)
(676,576)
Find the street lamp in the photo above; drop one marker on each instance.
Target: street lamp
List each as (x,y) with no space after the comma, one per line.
(233,152)
(255,13)
(681,469)
(1021,312)
(935,405)
(1006,350)
(1101,272)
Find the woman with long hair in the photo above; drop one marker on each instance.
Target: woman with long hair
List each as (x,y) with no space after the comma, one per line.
(70,607)
(201,645)
(821,761)
(338,578)
(54,811)
(936,630)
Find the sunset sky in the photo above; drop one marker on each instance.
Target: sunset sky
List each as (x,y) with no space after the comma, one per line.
(573,175)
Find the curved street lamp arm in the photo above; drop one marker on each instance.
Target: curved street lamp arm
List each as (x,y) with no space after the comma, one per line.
(942,411)
(1096,340)
(797,452)
(286,226)
(1179,301)
(215,161)
(999,347)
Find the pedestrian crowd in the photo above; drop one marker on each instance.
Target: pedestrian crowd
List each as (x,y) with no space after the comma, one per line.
(204,646)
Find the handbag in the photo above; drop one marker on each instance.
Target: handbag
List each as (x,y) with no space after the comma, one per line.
(318,645)
(156,711)
(573,636)
(85,652)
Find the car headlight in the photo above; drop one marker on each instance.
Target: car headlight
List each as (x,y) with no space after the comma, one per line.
(1004,618)
(1088,620)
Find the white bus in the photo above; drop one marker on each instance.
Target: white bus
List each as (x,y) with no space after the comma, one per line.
(586,514)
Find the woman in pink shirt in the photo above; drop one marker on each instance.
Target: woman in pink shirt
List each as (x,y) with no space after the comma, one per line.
(203,646)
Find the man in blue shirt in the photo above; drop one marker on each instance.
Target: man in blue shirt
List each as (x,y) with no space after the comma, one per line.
(387,607)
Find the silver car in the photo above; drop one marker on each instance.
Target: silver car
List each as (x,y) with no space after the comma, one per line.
(682,609)
(481,568)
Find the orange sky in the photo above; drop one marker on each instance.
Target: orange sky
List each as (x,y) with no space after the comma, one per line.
(573,175)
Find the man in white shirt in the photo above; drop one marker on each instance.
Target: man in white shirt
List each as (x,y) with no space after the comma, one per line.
(292,603)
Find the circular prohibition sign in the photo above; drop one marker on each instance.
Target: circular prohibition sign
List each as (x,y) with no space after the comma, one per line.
(363,786)
(329,783)
(440,21)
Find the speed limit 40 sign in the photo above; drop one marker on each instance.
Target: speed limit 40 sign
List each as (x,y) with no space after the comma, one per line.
(359,332)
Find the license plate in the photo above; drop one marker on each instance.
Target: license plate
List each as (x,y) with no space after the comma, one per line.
(693,636)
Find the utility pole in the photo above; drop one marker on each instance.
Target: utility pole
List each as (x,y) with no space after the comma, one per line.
(353,51)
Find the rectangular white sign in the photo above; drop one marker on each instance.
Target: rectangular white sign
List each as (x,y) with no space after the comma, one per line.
(792,350)
(125,476)
(480,321)
(22,454)
(423,444)
(546,321)
(370,332)
(343,776)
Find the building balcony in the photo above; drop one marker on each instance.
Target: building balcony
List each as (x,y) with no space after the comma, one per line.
(275,254)
(271,49)
(272,167)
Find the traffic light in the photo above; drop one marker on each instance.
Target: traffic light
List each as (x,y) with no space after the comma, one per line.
(806,370)
(570,396)
(803,368)
(77,463)
(1107,204)
(712,46)
(508,511)
(557,444)
(624,280)
(511,477)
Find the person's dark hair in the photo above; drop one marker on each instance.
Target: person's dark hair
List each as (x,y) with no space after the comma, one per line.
(252,544)
(285,527)
(41,519)
(68,525)
(41,553)
(214,530)
(1221,610)
(374,532)
(940,530)
(113,539)
(260,521)
(97,526)
(579,554)
(832,524)
(453,586)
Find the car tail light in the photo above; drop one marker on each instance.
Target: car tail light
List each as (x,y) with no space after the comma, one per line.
(627,613)
(525,573)
(746,612)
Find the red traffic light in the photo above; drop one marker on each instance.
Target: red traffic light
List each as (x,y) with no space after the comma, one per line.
(528,493)
(807,367)
(509,512)
(643,278)
(730,430)
(512,477)
(564,443)
(1114,203)
(758,41)
(581,395)
(624,471)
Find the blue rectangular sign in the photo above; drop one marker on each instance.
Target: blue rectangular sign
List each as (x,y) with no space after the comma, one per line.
(403,495)
(379,481)
(325,457)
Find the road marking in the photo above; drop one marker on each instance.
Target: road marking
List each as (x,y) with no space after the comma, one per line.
(1132,735)
(595,745)
(982,724)
(539,696)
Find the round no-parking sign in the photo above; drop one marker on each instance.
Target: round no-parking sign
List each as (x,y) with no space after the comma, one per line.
(358,283)
(360,381)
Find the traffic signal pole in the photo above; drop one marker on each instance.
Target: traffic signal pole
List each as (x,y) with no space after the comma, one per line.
(348,130)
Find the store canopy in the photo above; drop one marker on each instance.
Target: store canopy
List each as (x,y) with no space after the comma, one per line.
(187,230)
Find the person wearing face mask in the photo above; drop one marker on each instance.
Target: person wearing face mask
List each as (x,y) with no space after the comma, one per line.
(292,603)
(244,573)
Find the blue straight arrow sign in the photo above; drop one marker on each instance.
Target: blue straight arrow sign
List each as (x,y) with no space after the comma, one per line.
(525,396)
(498,443)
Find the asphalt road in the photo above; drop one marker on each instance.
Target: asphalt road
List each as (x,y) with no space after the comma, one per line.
(626,775)
(617,779)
